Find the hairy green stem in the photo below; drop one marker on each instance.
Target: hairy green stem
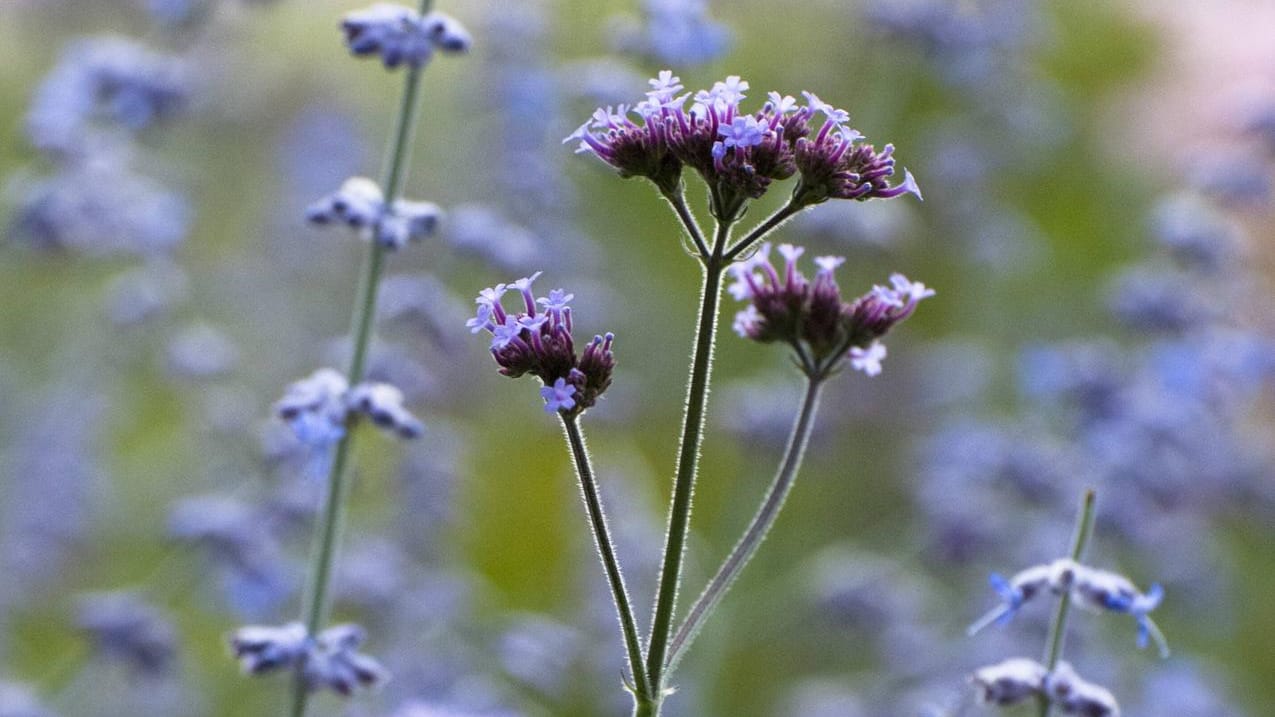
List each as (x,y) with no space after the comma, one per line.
(327,534)
(687,462)
(772,222)
(606,551)
(678,201)
(1058,628)
(757,530)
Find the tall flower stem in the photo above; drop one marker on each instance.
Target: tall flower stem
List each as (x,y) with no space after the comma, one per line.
(688,460)
(1058,628)
(327,534)
(757,530)
(606,551)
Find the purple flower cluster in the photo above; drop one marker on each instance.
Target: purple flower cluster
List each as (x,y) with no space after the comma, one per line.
(539,342)
(811,315)
(360,204)
(1019,679)
(319,408)
(1098,590)
(737,153)
(402,36)
(329,660)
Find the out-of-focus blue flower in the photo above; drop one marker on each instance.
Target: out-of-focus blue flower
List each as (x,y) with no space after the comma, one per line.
(1010,682)
(121,625)
(202,352)
(481,231)
(360,204)
(315,407)
(331,660)
(101,208)
(145,292)
(1073,695)
(104,80)
(401,36)
(673,32)
(18,700)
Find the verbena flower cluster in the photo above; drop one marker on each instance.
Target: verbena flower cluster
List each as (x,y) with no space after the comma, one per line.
(329,660)
(402,36)
(360,204)
(1019,679)
(539,341)
(784,306)
(739,153)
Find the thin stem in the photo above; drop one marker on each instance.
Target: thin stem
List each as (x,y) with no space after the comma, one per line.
(327,534)
(678,201)
(780,216)
(1058,628)
(688,461)
(757,530)
(606,551)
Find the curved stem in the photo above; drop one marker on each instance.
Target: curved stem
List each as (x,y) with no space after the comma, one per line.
(606,551)
(688,461)
(1058,628)
(780,216)
(757,530)
(678,201)
(327,533)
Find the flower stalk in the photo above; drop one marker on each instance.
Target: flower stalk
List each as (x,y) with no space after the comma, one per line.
(1058,627)
(327,534)
(757,529)
(688,459)
(606,551)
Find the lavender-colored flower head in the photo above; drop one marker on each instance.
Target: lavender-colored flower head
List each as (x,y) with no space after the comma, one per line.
(262,649)
(1102,590)
(105,80)
(319,408)
(360,204)
(811,316)
(1072,695)
(540,342)
(383,404)
(121,625)
(315,407)
(333,661)
(1010,682)
(101,208)
(330,660)
(1097,590)
(401,36)
(737,153)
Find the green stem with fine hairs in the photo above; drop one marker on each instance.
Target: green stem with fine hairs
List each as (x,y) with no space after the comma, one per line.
(687,462)
(1058,628)
(606,551)
(757,529)
(327,534)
